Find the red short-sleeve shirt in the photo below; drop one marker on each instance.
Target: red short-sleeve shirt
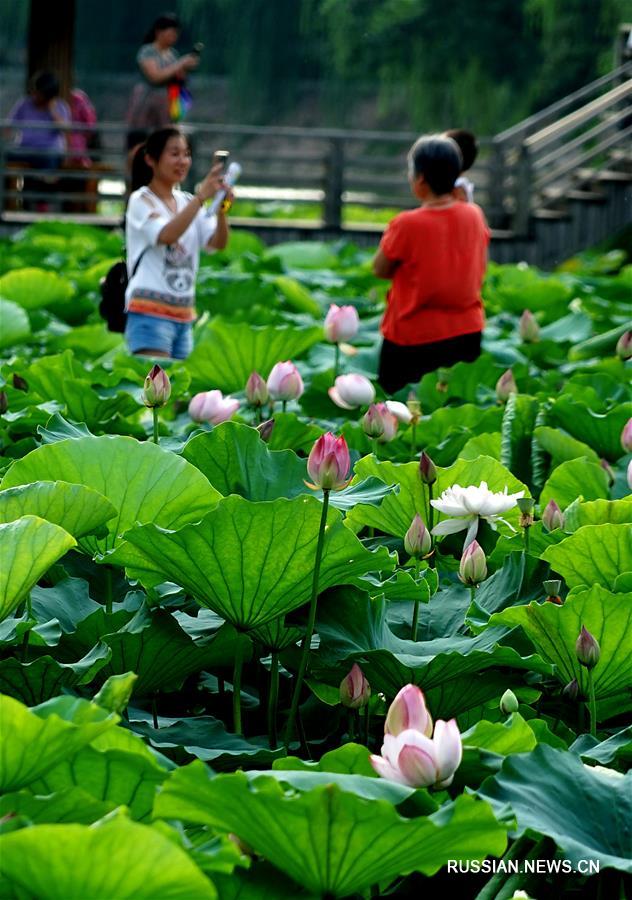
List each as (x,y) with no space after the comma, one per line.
(436,290)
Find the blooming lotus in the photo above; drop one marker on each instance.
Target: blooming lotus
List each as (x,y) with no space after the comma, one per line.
(470,504)
(355,690)
(285,382)
(414,759)
(328,463)
(157,388)
(400,410)
(212,407)
(341,323)
(352,391)
(408,710)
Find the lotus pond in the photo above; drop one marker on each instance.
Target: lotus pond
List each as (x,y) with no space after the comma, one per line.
(291,642)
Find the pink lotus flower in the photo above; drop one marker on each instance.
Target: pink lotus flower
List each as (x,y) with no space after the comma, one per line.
(414,759)
(355,690)
(505,386)
(351,391)
(552,517)
(379,422)
(341,323)
(473,565)
(587,649)
(212,407)
(624,346)
(417,540)
(408,710)
(400,410)
(328,463)
(285,382)
(528,328)
(626,437)
(256,390)
(157,388)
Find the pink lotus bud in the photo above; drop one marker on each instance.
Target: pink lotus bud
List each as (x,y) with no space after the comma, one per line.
(624,346)
(587,649)
(400,411)
(414,759)
(157,388)
(427,469)
(626,437)
(529,329)
(379,422)
(4,402)
(473,566)
(505,386)
(212,407)
(509,703)
(285,382)
(355,690)
(341,323)
(552,517)
(328,463)
(351,391)
(20,384)
(408,711)
(605,465)
(417,540)
(265,429)
(256,390)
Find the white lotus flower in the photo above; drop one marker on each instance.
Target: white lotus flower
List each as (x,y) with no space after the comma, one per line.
(470,504)
(400,411)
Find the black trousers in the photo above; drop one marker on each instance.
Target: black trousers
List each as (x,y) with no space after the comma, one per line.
(405,364)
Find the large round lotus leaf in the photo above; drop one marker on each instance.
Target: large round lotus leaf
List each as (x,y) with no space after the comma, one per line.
(116,859)
(14,324)
(33,288)
(594,554)
(144,482)
(78,509)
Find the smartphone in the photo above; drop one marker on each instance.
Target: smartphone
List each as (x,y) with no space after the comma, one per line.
(221,156)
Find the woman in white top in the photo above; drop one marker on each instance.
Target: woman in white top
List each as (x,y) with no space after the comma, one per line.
(165,230)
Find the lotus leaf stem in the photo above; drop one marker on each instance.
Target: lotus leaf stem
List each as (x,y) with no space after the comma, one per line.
(413,635)
(592,703)
(273,700)
(526,540)
(154,411)
(413,441)
(108,591)
(336,360)
(237,667)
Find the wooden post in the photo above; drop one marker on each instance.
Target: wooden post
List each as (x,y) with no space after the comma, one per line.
(523,187)
(496,189)
(334,169)
(51,38)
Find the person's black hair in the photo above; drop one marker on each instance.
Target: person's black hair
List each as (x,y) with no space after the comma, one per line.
(467,145)
(166,20)
(142,173)
(438,159)
(135,137)
(46,84)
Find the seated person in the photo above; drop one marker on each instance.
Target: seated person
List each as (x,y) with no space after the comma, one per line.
(436,257)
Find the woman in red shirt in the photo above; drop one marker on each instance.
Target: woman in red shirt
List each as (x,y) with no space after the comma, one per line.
(436,257)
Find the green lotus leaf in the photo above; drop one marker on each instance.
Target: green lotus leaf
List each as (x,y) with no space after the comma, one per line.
(601,431)
(292,433)
(297,296)
(88,341)
(561,446)
(572,479)
(44,736)
(518,582)
(77,509)
(304,255)
(276,635)
(116,858)
(326,838)
(552,793)
(116,692)
(33,288)
(28,548)
(16,327)
(597,512)
(482,445)
(229,352)
(71,805)
(144,482)
(595,554)
(349,759)
(617,747)
(252,562)
(38,681)
(554,630)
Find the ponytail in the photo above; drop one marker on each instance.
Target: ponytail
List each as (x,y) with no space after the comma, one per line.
(141,171)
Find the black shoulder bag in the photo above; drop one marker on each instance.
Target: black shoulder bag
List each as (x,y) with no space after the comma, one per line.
(113,287)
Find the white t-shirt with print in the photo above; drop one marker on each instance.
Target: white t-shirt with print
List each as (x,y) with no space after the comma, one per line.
(167,272)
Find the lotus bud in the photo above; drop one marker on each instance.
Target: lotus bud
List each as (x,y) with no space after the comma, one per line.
(552,517)
(341,323)
(571,691)
(265,430)
(408,711)
(20,384)
(427,469)
(355,690)
(379,422)
(587,649)
(626,437)
(624,346)
(4,402)
(400,411)
(328,463)
(473,565)
(526,505)
(529,328)
(509,703)
(285,382)
(505,386)
(352,391)
(414,407)
(605,465)
(157,388)
(256,390)
(417,540)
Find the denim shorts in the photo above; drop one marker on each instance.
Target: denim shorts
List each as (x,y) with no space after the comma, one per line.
(144,332)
